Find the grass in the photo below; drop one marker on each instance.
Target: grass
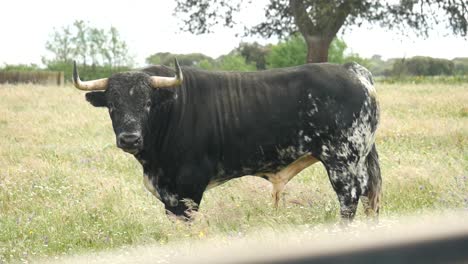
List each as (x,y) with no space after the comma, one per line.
(65,188)
(407,79)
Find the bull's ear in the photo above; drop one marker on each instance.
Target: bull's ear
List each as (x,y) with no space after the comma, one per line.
(163,96)
(97,99)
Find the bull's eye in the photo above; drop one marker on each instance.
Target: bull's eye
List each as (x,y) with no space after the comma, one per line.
(111,107)
(148,104)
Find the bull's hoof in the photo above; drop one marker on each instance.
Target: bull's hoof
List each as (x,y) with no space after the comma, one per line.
(183,212)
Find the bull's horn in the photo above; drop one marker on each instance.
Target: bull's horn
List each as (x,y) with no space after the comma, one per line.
(94,85)
(164,82)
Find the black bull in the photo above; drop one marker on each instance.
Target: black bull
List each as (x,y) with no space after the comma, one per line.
(201,128)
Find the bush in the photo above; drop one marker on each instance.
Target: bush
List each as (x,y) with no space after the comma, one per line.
(293,52)
(234,63)
(21,67)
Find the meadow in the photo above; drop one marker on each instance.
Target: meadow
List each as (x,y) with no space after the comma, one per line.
(65,188)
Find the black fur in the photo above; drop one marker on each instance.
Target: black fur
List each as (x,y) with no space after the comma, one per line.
(96,99)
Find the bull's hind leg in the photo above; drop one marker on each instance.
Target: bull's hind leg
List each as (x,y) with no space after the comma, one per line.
(281,178)
(346,186)
(351,177)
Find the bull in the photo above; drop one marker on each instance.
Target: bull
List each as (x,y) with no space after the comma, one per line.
(192,129)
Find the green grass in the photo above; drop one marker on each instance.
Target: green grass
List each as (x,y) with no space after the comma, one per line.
(65,188)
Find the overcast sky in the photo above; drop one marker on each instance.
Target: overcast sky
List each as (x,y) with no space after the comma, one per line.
(149,27)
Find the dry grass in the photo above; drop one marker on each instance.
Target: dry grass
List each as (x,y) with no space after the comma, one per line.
(65,188)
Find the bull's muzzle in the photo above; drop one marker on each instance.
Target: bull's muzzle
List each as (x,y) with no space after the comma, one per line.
(130,142)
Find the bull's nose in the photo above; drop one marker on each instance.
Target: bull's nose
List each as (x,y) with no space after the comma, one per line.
(129,140)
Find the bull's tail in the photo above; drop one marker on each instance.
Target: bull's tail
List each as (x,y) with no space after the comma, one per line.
(374,183)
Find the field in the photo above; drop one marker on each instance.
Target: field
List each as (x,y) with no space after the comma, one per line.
(65,188)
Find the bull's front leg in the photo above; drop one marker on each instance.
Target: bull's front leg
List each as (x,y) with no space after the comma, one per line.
(185,188)
(185,203)
(180,199)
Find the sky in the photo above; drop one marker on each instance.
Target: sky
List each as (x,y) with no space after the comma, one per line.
(149,26)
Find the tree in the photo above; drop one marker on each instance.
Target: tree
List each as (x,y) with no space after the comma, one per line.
(206,65)
(254,53)
(103,50)
(167,58)
(97,49)
(61,44)
(319,21)
(117,50)
(82,42)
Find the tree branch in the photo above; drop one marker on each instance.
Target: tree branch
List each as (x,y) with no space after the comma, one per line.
(341,14)
(301,18)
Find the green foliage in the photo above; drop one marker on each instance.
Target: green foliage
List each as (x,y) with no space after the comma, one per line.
(336,51)
(253,56)
(87,72)
(234,63)
(206,65)
(292,51)
(20,67)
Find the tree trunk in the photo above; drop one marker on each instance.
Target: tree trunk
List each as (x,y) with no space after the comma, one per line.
(320,31)
(317,48)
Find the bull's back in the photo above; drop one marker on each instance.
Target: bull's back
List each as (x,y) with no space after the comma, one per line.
(254,121)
